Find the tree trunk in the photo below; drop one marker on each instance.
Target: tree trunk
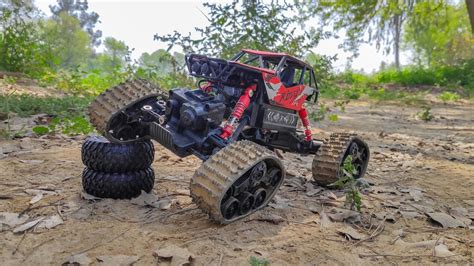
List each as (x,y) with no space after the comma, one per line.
(470,11)
(396,40)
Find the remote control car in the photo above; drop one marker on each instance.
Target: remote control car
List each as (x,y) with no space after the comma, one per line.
(242,110)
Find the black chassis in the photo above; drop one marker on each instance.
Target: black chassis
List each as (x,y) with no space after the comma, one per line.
(188,123)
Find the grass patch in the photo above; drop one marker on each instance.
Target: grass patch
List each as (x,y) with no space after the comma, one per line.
(27,105)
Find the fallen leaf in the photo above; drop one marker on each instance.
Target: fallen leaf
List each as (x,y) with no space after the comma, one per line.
(445,220)
(145,199)
(260,253)
(423,208)
(315,209)
(461,214)
(36,198)
(164,204)
(34,192)
(351,233)
(339,215)
(421,244)
(178,256)
(86,196)
(416,194)
(325,222)
(12,219)
(441,250)
(50,222)
(151,200)
(279,202)
(410,214)
(398,232)
(407,190)
(32,161)
(270,218)
(310,190)
(27,226)
(469,202)
(78,259)
(391,204)
(332,196)
(113,260)
(389,217)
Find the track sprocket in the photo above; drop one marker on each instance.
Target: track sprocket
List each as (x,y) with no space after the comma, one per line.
(328,161)
(228,188)
(114,100)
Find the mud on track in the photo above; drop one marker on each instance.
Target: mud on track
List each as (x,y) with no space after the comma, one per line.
(416,168)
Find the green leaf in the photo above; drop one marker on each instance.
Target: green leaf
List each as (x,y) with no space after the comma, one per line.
(41,130)
(333,117)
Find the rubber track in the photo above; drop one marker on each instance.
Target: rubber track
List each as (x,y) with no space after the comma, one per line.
(328,159)
(213,178)
(117,98)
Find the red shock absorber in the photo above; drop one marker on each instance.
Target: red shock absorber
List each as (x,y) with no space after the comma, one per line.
(307,127)
(239,109)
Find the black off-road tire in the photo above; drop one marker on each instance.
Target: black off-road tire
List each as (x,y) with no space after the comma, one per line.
(117,185)
(101,155)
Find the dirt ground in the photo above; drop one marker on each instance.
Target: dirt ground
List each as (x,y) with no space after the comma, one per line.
(417,170)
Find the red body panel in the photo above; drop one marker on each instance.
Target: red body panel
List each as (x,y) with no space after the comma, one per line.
(287,97)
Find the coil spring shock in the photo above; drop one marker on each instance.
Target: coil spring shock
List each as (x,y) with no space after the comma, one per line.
(305,120)
(239,109)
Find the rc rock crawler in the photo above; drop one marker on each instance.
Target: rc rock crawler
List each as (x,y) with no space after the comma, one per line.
(243,109)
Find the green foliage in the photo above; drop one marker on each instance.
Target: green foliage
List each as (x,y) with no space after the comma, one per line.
(40,130)
(9,80)
(116,54)
(378,22)
(67,45)
(26,105)
(254,261)
(247,24)
(333,117)
(79,10)
(349,184)
(323,69)
(439,33)
(461,74)
(19,46)
(75,126)
(447,96)
(158,64)
(320,113)
(425,114)
(70,126)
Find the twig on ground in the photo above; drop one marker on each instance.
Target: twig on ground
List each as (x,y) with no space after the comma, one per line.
(5,197)
(374,234)
(178,194)
(220,259)
(307,224)
(394,255)
(96,245)
(30,208)
(19,243)
(58,209)
(36,247)
(163,219)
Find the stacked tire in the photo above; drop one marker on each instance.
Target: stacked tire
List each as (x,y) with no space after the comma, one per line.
(116,170)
